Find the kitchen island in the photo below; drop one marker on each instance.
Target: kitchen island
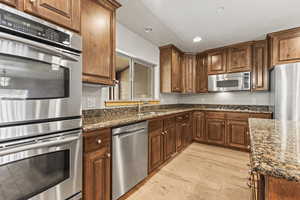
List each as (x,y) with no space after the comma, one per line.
(274,159)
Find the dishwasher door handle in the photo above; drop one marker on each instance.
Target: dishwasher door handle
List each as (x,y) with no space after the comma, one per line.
(130,133)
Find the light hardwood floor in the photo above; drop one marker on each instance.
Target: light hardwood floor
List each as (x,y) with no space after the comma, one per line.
(201,172)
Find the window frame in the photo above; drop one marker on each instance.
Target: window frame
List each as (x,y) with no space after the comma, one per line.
(132,62)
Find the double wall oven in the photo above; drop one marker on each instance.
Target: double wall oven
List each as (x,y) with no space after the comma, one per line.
(40,109)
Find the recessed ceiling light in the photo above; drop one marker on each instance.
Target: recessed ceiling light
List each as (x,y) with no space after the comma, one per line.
(148,29)
(220,9)
(197,39)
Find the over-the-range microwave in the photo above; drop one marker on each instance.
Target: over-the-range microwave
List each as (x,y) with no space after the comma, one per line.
(229,82)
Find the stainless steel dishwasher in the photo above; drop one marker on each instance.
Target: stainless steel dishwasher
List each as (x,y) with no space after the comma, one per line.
(130,157)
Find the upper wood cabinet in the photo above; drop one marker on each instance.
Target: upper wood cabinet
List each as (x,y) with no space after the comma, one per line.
(98,29)
(12,3)
(188,73)
(65,13)
(260,73)
(217,61)
(201,74)
(170,69)
(240,58)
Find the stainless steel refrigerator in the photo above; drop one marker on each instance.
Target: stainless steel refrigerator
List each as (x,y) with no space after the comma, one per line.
(285,91)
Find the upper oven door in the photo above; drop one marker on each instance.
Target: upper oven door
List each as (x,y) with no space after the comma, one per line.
(37,81)
(44,168)
(229,82)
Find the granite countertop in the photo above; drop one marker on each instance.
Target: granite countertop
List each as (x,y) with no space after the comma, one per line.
(275,148)
(93,123)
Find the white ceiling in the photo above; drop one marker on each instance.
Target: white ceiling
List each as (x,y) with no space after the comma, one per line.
(179,21)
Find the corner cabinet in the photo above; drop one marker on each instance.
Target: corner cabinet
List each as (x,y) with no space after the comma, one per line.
(97,165)
(170,69)
(260,73)
(98,29)
(285,47)
(65,13)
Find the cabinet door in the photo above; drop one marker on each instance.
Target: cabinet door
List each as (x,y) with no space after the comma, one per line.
(285,47)
(237,134)
(169,138)
(215,131)
(240,58)
(260,77)
(179,136)
(98,41)
(217,61)
(9,2)
(188,73)
(156,144)
(176,82)
(201,74)
(65,13)
(199,126)
(97,175)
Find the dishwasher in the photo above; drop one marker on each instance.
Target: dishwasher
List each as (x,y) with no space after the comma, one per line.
(130,157)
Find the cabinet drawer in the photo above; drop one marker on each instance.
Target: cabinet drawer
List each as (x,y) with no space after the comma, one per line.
(238,116)
(96,139)
(183,117)
(216,115)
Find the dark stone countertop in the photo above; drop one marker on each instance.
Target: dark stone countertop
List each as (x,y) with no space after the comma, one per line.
(275,148)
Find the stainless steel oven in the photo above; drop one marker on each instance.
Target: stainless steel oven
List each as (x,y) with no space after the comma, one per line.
(42,168)
(40,69)
(229,82)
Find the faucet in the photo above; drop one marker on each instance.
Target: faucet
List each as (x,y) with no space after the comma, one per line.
(139,106)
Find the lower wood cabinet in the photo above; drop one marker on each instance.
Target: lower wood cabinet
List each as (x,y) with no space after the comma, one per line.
(169,137)
(199,126)
(97,165)
(215,131)
(237,134)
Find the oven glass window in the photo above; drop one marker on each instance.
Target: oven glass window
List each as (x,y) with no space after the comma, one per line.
(26,178)
(228,83)
(28,79)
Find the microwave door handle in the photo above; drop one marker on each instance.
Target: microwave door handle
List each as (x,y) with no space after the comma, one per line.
(38,144)
(38,46)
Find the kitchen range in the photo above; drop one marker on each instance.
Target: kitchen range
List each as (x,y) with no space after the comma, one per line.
(40,119)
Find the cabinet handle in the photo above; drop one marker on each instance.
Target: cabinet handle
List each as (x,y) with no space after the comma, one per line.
(108,155)
(99,141)
(248,147)
(247,132)
(163,133)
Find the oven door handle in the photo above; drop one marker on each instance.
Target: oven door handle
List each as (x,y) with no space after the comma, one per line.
(37,144)
(37,45)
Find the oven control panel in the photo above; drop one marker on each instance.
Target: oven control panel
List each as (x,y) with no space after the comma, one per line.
(26,26)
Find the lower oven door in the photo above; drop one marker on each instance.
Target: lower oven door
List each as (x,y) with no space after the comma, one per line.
(43,168)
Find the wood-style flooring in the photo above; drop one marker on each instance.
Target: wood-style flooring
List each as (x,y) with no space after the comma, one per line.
(200,172)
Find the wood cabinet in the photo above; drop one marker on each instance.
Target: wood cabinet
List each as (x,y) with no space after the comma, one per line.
(188,73)
(199,126)
(170,69)
(12,3)
(99,48)
(97,165)
(156,144)
(183,131)
(217,61)
(201,74)
(215,131)
(240,58)
(169,137)
(284,46)
(65,13)
(237,134)
(260,73)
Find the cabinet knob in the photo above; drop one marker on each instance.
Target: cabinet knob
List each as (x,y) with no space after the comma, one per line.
(108,155)
(163,133)
(99,141)
(32,1)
